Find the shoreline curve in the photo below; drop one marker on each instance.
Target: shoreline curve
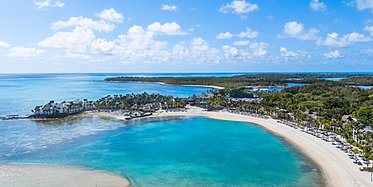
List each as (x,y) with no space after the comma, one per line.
(162,83)
(336,168)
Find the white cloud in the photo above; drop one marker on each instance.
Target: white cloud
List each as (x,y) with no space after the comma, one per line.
(363,4)
(293,55)
(317,5)
(333,39)
(333,54)
(106,23)
(136,45)
(241,43)
(238,7)
(225,35)
(169,7)
(4,44)
(230,52)
(167,28)
(23,52)
(76,41)
(294,29)
(195,51)
(369,29)
(111,15)
(49,3)
(103,46)
(367,51)
(83,22)
(256,50)
(249,33)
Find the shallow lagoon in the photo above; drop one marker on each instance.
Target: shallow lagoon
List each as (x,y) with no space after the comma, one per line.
(188,151)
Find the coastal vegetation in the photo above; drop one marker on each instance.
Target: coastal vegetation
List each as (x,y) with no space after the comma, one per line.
(145,102)
(254,79)
(329,106)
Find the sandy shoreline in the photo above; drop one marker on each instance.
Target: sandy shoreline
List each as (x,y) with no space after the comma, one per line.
(162,83)
(337,168)
(52,175)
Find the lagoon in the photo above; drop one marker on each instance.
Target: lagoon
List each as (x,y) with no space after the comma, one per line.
(188,151)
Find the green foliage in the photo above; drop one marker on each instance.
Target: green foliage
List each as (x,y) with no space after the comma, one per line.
(239,93)
(365,113)
(265,79)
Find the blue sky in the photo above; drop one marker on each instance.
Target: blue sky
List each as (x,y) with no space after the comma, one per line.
(58,36)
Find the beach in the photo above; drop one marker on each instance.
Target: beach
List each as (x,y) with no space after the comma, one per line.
(52,175)
(162,83)
(338,170)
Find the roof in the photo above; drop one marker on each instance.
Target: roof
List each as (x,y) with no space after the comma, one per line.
(47,107)
(347,118)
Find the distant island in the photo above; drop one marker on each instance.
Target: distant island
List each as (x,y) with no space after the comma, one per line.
(265,79)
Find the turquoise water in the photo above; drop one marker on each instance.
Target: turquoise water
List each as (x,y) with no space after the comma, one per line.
(190,151)
(363,87)
(333,78)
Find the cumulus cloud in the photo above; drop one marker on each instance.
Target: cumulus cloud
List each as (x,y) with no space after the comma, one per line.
(195,51)
(169,7)
(248,33)
(238,7)
(83,22)
(317,5)
(103,46)
(255,50)
(294,29)
(334,40)
(23,52)
(363,4)
(369,29)
(225,35)
(293,55)
(333,54)
(4,44)
(49,3)
(76,41)
(138,44)
(106,23)
(76,35)
(110,15)
(241,43)
(230,52)
(167,28)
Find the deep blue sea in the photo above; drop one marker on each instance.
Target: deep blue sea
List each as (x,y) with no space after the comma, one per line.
(20,93)
(189,151)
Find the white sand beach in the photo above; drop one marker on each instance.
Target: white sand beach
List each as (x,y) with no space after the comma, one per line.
(338,169)
(207,86)
(30,175)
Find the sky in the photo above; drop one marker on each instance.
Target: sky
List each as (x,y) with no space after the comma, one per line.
(82,36)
